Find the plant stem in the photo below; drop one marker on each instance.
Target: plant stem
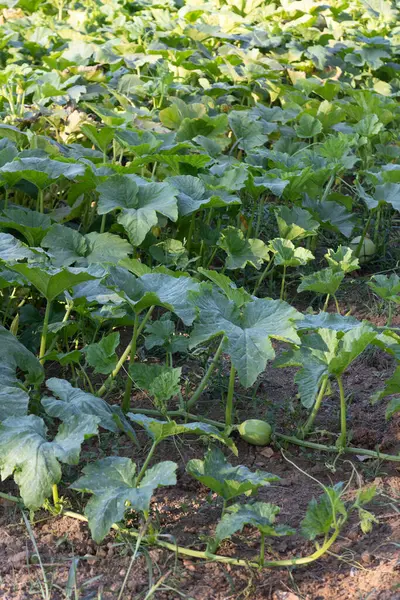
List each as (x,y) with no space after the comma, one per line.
(178,413)
(126,402)
(364,233)
(262,549)
(124,356)
(56,499)
(103,223)
(310,421)
(40,201)
(229,398)
(335,449)
(43,338)
(199,390)
(146,463)
(304,560)
(337,305)
(390,314)
(343,431)
(262,276)
(283,283)
(326,302)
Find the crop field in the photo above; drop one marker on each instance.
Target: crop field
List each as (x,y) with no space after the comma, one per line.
(199,300)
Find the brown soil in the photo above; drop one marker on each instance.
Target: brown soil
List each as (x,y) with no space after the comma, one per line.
(360,566)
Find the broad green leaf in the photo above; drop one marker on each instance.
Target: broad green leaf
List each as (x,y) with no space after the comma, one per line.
(322,514)
(154,289)
(34,461)
(101,355)
(308,127)
(216,473)
(238,295)
(295,223)
(247,331)
(171,253)
(50,281)
(240,251)
(248,132)
(287,255)
(160,381)
(162,333)
(173,116)
(261,515)
(331,215)
(14,400)
(160,430)
(193,195)
(342,259)
(328,321)
(68,247)
(39,171)
(12,249)
(386,287)
(138,203)
(69,402)
(352,344)
(31,224)
(112,481)
(326,281)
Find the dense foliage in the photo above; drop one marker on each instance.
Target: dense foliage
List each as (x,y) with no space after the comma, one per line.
(180,171)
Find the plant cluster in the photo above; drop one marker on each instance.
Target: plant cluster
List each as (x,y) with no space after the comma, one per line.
(178,172)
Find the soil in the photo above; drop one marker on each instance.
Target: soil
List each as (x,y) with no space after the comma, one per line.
(360,566)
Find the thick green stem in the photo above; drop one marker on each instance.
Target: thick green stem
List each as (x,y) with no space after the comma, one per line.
(103,223)
(326,302)
(178,413)
(304,560)
(343,430)
(199,390)
(310,421)
(56,499)
(43,338)
(348,449)
(282,295)
(337,305)
(146,462)
(364,233)
(124,356)
(126,402)
(262,276)
(40,201)
(229,398)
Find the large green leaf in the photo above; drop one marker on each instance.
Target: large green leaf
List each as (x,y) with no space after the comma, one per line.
(241,251)
(216,473)
(247,330)
(323,514)
(69,402)
(154,289)
(308,126)
(138,203)
(238,295)
(326,281)
(112,481)
(101,355)
(39,171)
(160,381)
(160,430)
(31,224)
(342,259)
(295,223)
(248,132)
(67,247)
(50,281)
(386,287)
(12,249)
(14,400)
(193,195)
(26,452)
(287,255)
(261,515)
